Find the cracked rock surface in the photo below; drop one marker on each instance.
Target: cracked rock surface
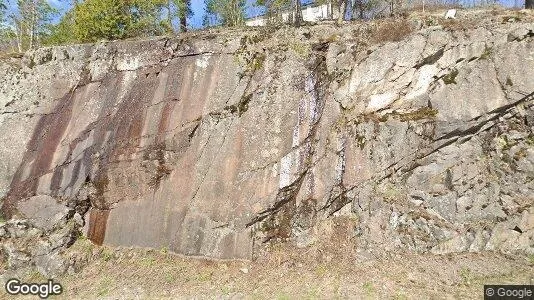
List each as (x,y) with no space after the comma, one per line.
(210,145)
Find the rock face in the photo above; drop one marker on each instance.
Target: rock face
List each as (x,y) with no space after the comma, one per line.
(209,145)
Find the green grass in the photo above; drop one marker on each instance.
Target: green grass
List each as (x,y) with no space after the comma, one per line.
(204,277)
(369,289)
(170,277)
(466,276)
(283,296)
(321,270)
(147,261)
(107,254)
(105,285)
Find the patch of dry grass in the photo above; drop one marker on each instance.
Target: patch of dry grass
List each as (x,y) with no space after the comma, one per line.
(393,30)
(330,268)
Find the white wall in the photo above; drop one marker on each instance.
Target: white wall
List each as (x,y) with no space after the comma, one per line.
(314,14)
(255,22)
(309,14)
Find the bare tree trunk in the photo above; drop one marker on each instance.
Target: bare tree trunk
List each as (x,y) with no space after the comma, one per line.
(238,15)
(361,7)
(184,12)
(183,23)
(19,41)
(357,5)
(297,12)
(350,4)
(18,35)
(32,29)
(169,15)
(33,22)
(343,4)
(529,4)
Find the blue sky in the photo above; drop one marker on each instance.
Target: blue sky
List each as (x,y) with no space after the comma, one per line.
(198,8)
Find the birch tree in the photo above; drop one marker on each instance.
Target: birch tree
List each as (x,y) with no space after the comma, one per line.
(5,31)
(227,12)
(275,9)
(30,22)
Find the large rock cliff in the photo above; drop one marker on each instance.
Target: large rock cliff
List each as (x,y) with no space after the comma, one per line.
(211,144)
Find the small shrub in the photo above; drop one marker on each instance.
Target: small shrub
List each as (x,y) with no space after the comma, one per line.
(451,77)
(9,55)
(2,218)
(107,254)
(321,270)
(257,62)
(301,49)
(169,277)
(522,153)
(466,275)
(147,262)
(510,19)
(369,289)
(204,277)
(36,276)
(509,81)
(487,52)
(423,113)
(459,25)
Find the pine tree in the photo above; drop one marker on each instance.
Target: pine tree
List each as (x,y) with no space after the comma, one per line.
(94,20)
(180,9)
(3,8)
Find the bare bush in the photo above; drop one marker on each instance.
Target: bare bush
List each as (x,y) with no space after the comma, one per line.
(392,30)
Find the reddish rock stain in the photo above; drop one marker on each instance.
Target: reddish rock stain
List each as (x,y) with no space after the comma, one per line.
(97,225)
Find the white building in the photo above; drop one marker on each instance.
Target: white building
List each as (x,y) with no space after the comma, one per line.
(310,13)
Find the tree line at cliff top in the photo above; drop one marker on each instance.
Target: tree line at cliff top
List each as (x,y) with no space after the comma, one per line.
(31,22)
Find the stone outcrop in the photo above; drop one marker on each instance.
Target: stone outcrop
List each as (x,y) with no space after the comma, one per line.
(212,144)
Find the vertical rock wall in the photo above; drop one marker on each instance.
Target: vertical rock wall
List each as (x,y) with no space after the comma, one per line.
(211,144)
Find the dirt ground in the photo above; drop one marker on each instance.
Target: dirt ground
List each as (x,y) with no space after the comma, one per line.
(332,267)
(285,272)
